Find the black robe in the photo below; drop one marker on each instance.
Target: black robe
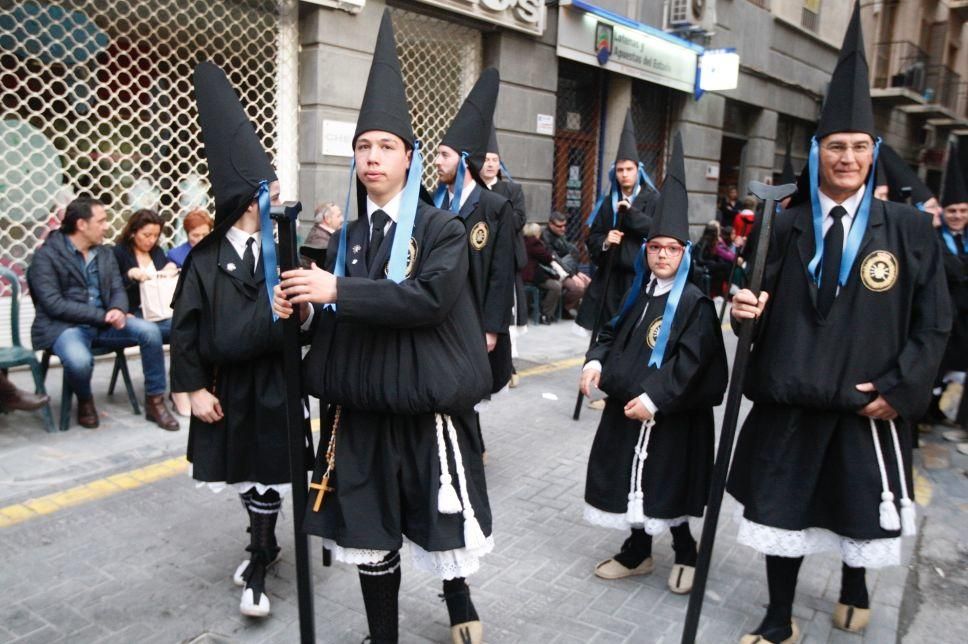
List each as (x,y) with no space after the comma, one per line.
(512,190)
(635,224)
(805,457)
(387,469)
(223,339)
(956,271)
(690,382)
(489,221)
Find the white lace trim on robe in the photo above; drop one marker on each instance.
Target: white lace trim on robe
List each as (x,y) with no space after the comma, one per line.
(261,488)
(619,521)
(446,564)
(856,553)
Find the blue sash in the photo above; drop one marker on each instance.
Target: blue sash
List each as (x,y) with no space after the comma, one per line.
(270,266)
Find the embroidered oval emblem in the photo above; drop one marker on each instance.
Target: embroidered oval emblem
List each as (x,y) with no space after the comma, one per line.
(479,235)
(411,260)
(878,271)
(653,335)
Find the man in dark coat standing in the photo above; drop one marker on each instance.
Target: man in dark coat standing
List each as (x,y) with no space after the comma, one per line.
(621,219)
(226,352)
(843,359)
(398,354)
(497,178)
(487,215)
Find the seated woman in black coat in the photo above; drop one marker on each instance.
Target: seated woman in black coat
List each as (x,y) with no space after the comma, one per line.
(139,255)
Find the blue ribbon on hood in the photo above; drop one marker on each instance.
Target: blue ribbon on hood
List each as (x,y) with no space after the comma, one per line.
(458,187)
(270,265)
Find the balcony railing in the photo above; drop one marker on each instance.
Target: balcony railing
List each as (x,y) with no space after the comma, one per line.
(942,86)
(900,64)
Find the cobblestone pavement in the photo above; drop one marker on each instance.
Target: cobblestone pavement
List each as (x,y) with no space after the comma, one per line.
(139,555)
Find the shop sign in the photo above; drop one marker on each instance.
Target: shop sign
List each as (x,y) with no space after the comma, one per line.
(522,15)
(631,49)
(338,138)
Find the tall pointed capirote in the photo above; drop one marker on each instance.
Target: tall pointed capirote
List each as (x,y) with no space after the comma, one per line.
(900,177)
(237,162)
(954,189)
(671,216)
(469,133)
(847,107)
(628,149)
(385,106)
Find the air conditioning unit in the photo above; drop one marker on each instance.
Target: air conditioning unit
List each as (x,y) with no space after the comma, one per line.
(690,19)
(350,6)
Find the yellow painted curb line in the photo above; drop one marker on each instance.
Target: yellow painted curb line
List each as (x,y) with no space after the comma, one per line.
(142,476)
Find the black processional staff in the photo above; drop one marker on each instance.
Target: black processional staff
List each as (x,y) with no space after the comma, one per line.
(300,436)
(611,254)
(770,195)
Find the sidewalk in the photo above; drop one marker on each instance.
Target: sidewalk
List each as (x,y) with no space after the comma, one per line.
(152,564)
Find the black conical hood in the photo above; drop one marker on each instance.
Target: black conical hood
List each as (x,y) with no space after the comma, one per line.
(847,107)
(954,189)
(492,142)
(787,175)
(385,104)
(900,176)
(471,129)
(237,162)
(628,149)
(671,216)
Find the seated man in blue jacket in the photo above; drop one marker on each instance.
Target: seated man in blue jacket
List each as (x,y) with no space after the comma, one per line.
(80,304)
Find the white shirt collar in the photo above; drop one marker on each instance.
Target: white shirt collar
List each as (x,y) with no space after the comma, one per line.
(663,285)
(392,208)
(491,183)
(465,193)
(850,204)
(238,238)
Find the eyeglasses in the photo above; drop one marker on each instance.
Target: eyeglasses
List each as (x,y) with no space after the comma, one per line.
(672,250)
(840,149)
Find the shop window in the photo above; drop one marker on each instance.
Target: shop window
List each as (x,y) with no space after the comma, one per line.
(440,61)
(97,98)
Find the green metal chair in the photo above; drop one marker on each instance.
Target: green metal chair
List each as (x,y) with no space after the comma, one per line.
(16,355)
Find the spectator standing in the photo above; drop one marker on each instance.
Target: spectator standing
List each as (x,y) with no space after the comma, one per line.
(729,206)
(744,219)
(80,304)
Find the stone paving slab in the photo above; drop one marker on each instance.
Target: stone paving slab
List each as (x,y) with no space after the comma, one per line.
(153,564)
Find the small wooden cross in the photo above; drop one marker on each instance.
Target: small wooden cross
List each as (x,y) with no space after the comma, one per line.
(322,487)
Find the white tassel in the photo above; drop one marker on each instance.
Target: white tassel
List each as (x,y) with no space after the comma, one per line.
(908,527)
(473,535)
(447,500)
(888,513)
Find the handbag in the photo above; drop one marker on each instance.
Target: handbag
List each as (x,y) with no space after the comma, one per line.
(157,292)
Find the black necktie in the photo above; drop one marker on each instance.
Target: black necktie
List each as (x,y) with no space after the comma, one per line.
(379,221)
(248,257)
(959,245)
(833,250)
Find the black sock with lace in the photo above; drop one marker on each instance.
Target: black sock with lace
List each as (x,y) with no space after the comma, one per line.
(781,579)
(684,545)
(636,549)
(380,584)
(460,608)
(853,587)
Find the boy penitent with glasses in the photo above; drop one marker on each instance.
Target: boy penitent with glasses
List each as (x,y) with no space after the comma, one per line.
(662,363)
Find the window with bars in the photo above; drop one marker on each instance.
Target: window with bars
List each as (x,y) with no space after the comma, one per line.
(97,99)
(810,15)
(440,62)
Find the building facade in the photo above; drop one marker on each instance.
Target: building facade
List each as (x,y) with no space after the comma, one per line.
(97,96)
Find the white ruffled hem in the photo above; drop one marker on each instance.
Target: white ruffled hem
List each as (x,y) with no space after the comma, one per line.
(619,521)
(856,553)
(217,486)
(446,564)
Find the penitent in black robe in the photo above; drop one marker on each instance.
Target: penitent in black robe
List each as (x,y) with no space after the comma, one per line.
(635,224)
(395,358)
(956,271)
(691,381)
(512,190)
(489,221)
(805,466)
(223,339)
